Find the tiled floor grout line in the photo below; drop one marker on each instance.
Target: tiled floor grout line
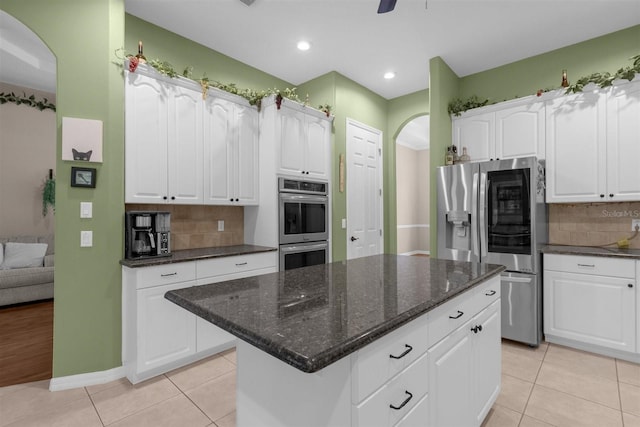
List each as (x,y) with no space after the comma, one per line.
(190,400)
(94,406)
(535,380)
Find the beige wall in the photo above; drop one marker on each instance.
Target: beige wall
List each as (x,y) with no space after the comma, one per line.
(197,226)
(412,181)
(27,152)
(592,224)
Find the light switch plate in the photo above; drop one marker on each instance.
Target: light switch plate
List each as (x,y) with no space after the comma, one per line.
(86,239)
(221,225)
(344,223)
(86,210)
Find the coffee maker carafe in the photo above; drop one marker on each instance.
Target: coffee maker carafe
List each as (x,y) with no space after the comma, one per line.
(147,234)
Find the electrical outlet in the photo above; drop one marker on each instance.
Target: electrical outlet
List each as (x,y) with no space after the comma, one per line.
(635,223)
(221,225)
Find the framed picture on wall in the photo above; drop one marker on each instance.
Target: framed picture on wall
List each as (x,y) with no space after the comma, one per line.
(83,177)
(81,139)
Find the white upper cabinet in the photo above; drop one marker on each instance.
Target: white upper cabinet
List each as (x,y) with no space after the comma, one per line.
(506,130)
(476,132)
(231,153)
(623,142)
(592,146)
(303,142)
(182,149)
(520,131)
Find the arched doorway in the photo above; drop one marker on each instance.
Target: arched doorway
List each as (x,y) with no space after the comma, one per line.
(412,187)
(27,169)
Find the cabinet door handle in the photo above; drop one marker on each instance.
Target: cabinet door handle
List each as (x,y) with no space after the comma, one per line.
(602,195)
(403,403)
(630,285)
(490,293)
(240,264)
(587,265)
(476,329)
(169,274)
(408,349)
(611,195)
(458,316)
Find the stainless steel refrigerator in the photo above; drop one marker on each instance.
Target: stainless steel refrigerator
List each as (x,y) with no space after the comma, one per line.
(494,212)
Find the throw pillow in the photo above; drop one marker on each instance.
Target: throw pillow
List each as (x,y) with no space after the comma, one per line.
(21,255)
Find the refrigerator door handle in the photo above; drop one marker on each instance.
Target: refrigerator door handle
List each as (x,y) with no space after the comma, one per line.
(482,222)
(475,249)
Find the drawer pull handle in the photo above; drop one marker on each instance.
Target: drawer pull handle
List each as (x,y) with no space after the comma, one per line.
(169,274)
(490,293)
(587,265)
(403,403)
(409,348)
(458,316)
(240,264)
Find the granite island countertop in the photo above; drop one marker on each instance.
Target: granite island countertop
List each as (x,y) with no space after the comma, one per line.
(310,317)
(600,251)
(196,254)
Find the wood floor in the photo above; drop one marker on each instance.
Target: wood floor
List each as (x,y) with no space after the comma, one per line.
(26,343)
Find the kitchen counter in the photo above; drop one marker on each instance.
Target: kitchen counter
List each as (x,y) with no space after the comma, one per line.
(311,317)
(196,254)
(611,252)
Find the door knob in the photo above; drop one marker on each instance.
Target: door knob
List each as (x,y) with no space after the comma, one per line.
(353,239)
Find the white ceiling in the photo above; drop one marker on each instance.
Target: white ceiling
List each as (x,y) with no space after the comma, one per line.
(349,37)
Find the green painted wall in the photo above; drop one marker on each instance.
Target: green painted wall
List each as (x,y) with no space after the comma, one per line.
(167,46)
(87,332)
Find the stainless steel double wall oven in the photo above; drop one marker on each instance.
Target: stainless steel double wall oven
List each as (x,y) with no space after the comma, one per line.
(303,223)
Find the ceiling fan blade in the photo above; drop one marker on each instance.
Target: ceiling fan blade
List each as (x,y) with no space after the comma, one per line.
(248,2)
(386,6)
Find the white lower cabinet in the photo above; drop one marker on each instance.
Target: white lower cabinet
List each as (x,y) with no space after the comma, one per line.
(465,370)
(157,334)
(590,303)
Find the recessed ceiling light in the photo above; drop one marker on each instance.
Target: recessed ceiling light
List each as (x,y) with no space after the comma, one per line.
(389,75)
(303,45)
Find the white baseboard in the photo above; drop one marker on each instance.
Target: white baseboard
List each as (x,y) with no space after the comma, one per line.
(416,253)
(84,380)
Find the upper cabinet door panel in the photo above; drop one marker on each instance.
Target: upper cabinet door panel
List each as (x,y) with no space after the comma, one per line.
(247,170)
(623,142)
(291,140)
(146,125)
(218,150)
(576,148)
(477,134)
(318,134)
(185,147)
(520,131)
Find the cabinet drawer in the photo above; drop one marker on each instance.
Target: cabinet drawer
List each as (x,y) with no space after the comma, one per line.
(600,266)
(165,274)
(235,264)
(451,315)
(378,362)
(403,392)
(486,293)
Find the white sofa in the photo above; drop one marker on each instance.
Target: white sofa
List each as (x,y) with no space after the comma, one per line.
(19,285)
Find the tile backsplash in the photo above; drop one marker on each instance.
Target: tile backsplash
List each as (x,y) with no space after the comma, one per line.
(197,226)
(593,224)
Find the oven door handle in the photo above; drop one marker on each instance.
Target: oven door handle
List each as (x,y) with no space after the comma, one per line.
(306,199)
(303,248)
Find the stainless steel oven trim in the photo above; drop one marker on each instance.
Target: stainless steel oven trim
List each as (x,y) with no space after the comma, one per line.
(302,247)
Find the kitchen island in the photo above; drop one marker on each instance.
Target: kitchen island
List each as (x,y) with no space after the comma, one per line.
(381,340)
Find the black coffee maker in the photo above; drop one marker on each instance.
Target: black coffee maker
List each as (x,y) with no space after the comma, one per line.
(147,234)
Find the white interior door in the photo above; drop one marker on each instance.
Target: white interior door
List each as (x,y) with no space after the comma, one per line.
(364,190)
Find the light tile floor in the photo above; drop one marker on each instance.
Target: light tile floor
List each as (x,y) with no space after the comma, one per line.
(547,386)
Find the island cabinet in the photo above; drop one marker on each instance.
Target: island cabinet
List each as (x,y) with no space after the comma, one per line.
(158,335)
(502,131)
(441,369)
(592,145)
(591,303)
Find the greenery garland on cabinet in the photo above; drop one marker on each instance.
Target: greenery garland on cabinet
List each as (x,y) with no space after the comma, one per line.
(30,101)
(252,96)
(602,80)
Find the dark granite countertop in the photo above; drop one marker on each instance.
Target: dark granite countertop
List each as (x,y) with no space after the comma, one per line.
(311,317)
(611,252)
(195,254)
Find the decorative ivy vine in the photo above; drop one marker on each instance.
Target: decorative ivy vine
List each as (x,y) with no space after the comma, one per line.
(30,101)
(252,96)
(602,80)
